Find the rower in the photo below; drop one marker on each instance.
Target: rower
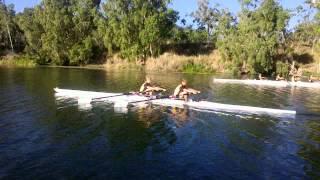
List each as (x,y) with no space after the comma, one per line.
(182,91)
(261,77)
(280,78)
(147,88)
(313,79)
(295,72)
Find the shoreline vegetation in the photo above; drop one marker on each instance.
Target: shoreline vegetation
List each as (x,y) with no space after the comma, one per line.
(15,60)
(152,36)
(168,62)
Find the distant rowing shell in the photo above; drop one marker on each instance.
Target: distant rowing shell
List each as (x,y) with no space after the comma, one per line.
(269,83)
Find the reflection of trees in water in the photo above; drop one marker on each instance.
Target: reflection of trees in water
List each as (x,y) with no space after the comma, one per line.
(106,134)
(162,133)
(241,140)
(310,149)
(123,135)
(307,98)
(260,96)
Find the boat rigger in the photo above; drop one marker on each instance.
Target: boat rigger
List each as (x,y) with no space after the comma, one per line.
(123,100)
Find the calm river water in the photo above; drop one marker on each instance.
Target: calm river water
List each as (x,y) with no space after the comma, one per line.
(42,137)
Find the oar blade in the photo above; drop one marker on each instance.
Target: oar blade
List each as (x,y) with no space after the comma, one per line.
(84,100)
(121,104)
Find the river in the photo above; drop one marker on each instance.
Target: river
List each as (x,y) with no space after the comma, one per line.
(42,137)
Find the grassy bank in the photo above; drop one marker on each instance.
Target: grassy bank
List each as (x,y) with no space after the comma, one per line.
(208,63)
(116,62)
(169,62)
(16,60)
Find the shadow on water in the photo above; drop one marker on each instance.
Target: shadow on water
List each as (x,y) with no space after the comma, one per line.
(41,136)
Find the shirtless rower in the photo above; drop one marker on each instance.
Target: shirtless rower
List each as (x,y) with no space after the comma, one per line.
(147,88)
(261,77)
(182,91)
(313,79)
(280,78)
(295,73)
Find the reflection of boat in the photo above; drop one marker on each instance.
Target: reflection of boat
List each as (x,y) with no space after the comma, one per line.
(269,83)
(118,100)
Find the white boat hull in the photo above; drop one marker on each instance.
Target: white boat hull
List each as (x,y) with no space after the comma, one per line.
(201,105)
(268,83)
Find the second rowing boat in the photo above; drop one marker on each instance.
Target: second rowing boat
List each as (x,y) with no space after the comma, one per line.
(269,83)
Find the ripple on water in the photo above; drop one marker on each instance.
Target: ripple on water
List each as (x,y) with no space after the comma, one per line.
(43,136)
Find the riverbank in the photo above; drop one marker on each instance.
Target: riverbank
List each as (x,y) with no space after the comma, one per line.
(16,60)
(170,62)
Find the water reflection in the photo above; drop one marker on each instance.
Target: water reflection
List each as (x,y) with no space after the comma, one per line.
(309,150)
(180,116)
(44,136)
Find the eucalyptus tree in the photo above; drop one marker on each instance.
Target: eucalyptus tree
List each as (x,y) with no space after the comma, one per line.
(207,17)
(33,30)
(137,28)
(227,36)
(11,36)
(86,45)
(55,17)
(61,32)
(258,35)
(316,39)
(313,29)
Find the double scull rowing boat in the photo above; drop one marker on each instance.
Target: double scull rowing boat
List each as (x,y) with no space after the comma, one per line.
(269,83)
(120,101)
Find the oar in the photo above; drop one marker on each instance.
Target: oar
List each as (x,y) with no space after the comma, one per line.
(122,94)
(151,99)
(89,100)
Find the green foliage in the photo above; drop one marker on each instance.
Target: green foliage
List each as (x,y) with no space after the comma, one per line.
(32,32)
(61,32)
(181,35)
(8,26)
(207,17)
(78,32)
(196,68)
(252,42)
(282,69)
(137,28)
(23,61)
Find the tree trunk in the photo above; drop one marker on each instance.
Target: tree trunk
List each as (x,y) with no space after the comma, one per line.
(10,37)
(151,50)
(244,67)
(208,39)
(313,45)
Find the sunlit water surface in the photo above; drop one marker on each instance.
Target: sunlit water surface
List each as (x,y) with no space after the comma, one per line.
(45,137)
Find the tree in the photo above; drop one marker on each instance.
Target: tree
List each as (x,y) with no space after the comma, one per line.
(315,27)
(85,17)
(55,18)
(226,30)
(206,17)
(11,36)
(33,30)
(137,28)
(257,35)
(62,32)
